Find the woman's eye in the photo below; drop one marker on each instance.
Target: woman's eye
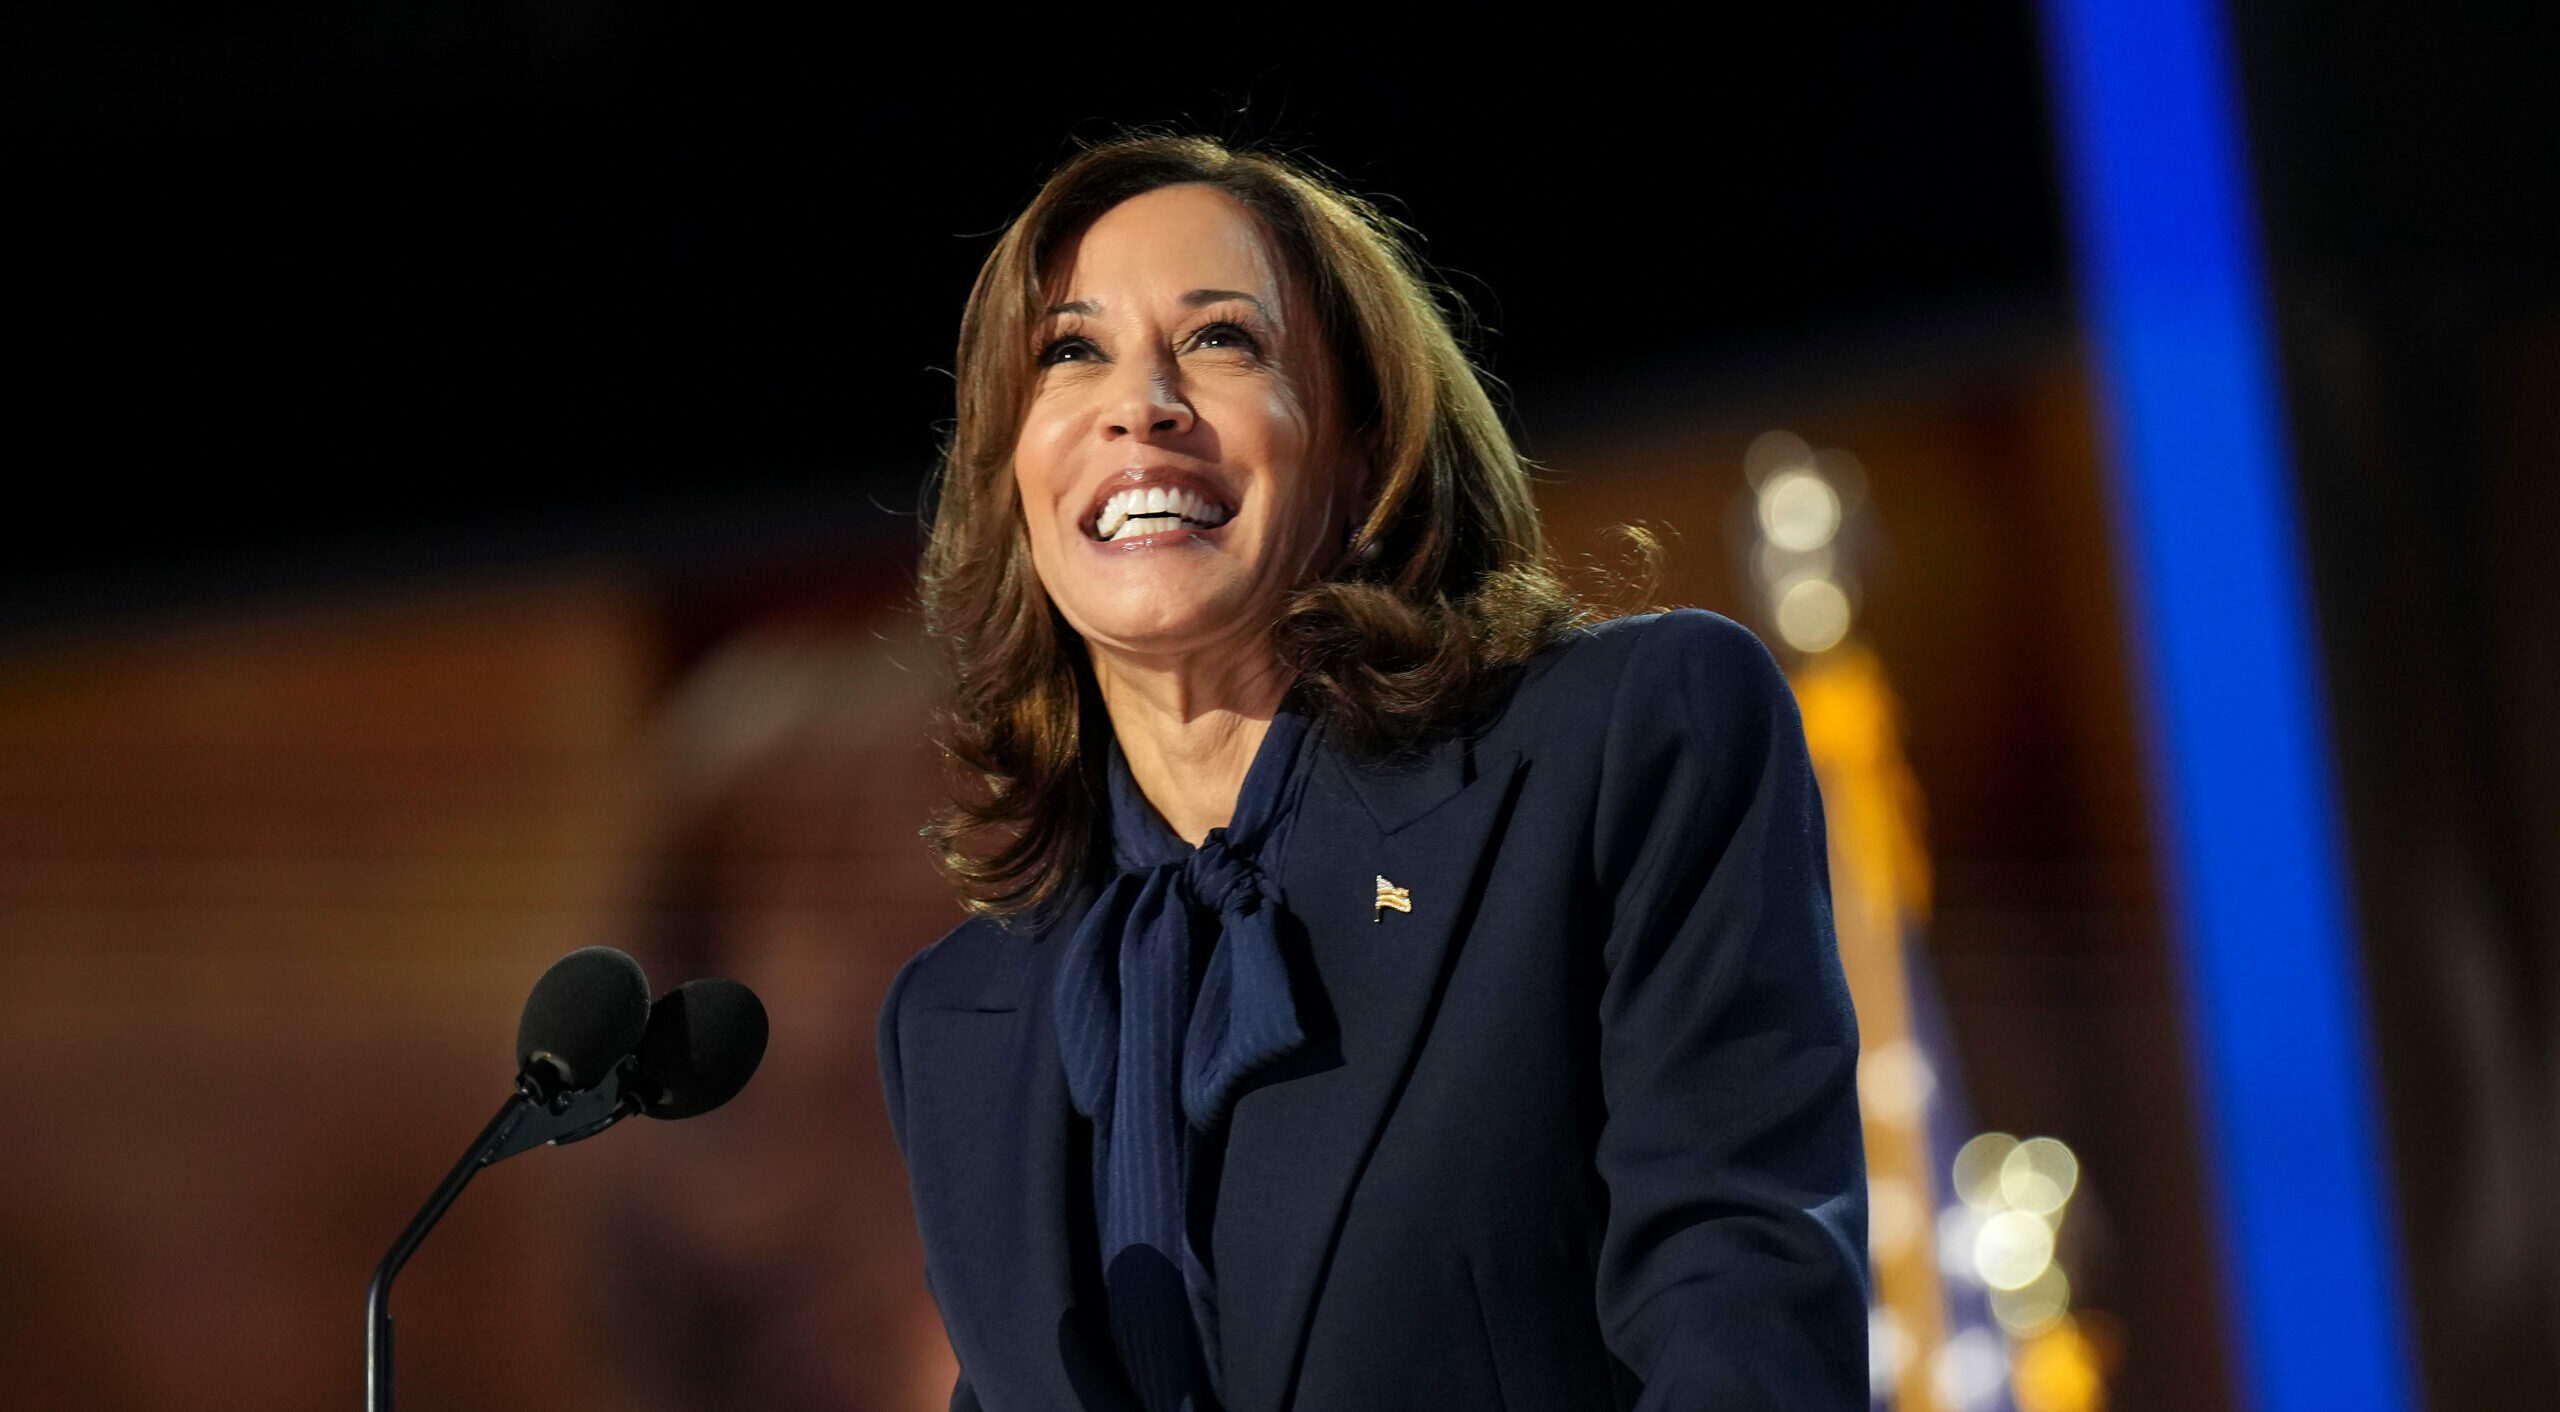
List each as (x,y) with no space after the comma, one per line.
(1225,336)
(1074,348)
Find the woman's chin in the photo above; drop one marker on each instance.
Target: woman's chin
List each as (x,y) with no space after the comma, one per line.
(1175,622)
(1170,595)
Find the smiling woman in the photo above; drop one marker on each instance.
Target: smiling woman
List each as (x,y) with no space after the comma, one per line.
(1170,314)
(1183,468)
(1387,988)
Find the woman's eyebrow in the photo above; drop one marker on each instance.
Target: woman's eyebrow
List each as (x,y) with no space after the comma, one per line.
(1199,297)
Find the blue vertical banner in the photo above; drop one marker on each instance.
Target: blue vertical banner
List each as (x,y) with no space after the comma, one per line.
(2174,299)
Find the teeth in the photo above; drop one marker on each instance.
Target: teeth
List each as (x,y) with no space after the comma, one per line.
(1140,510)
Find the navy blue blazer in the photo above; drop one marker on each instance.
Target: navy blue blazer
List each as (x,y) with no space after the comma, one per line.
(1578,1131)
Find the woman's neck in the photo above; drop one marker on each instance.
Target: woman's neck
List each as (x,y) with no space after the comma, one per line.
(1189,731)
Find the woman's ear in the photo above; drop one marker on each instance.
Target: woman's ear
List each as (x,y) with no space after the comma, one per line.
(1360,475)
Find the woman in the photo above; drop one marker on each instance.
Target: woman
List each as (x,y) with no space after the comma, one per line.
(1385,990)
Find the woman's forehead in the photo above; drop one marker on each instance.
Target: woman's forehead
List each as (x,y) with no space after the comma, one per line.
(1171,245)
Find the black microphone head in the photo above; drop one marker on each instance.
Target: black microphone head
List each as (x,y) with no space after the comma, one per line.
(703,1043)
(585,1014)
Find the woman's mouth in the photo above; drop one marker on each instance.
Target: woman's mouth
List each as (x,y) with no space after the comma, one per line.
(1154,509)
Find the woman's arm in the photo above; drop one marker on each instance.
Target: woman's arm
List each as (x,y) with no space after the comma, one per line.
(893,1082)
(1732,1270)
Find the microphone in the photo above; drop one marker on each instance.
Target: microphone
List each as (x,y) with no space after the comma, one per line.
(590,1051)
(585,1014)
(704,1041)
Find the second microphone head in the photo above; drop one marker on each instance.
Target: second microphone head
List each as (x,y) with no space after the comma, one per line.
(704,1041)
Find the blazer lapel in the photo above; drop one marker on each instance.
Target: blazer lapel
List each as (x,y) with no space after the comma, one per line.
(997,1173)
(1301,1134)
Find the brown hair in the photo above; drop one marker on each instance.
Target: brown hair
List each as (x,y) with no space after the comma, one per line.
(1445,586)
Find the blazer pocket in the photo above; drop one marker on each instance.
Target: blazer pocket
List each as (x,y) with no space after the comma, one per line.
(1488,1339)
(1541,1331)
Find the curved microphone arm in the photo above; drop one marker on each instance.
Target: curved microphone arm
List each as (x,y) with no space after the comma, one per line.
(524,1122)
(686,1054)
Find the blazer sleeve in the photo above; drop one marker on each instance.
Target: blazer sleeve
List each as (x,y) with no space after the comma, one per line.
(893,1082)
(1732,1267)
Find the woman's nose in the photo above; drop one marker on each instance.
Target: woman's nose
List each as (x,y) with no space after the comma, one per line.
(1150,402)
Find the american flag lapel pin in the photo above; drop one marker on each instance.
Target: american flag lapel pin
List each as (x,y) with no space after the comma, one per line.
(1390,895)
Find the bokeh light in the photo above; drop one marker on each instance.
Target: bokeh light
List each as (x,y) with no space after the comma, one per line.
(2012,1249)
(1895,1082)
(1890,1349)
(1958,1229)
(1799,511)
(1772,452)
(1813,614)
(2035,1306)
(1894,1216)
(2038,1176)
(1976,1170)
(2060,1369)
(1772,565)
(1971,1370)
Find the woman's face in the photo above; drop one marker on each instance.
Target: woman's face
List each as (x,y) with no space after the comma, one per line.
(1182,465)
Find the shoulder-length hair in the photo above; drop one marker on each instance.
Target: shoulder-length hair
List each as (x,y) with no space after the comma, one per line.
(1443,588)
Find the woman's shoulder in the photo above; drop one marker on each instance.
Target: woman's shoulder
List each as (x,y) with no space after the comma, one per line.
(1686,665)
(975,966)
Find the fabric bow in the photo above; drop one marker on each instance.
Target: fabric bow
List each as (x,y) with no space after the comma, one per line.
(1156,1062)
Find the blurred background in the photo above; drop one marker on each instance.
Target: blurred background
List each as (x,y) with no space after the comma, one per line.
(469,459)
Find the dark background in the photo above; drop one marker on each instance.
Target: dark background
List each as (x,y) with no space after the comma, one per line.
(2409,163)
(525,280)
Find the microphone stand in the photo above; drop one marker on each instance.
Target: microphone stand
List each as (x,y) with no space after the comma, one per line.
(535,1114)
